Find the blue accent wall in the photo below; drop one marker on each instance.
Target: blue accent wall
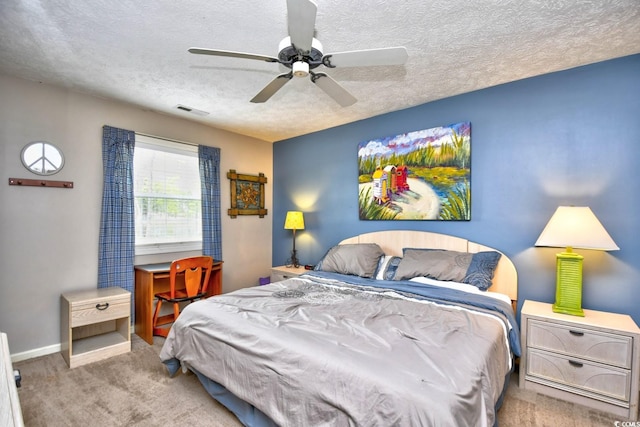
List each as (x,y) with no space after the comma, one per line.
(566,138)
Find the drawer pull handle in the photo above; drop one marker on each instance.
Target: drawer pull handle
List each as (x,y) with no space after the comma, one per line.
(576,333)
(576,364)
(102,307)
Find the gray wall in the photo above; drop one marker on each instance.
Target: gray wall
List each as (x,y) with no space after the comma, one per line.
(567,138)
(49,236)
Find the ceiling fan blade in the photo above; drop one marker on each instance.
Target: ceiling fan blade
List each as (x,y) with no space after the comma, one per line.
(367,58)
(333,89)
(301,15)
(229,53)
(270,89)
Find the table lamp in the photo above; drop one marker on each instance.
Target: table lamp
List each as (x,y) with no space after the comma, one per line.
(294,221)
(573,227)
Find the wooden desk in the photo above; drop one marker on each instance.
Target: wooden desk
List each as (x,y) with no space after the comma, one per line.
(154,278)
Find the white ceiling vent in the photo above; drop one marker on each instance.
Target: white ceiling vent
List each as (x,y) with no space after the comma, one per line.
(192,110)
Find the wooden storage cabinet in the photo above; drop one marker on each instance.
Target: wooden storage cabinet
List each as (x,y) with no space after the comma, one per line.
(591,360)
(95,325)
(283,272)
(10,412)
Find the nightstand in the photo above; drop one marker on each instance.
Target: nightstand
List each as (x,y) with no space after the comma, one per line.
(95,325)
(591,360)
(283,272)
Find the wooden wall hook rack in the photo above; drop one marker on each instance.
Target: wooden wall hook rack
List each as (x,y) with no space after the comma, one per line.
(40,183)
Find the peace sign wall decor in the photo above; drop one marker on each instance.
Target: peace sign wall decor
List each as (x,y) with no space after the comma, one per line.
(41,158)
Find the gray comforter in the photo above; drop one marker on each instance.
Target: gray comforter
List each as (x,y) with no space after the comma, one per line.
(316,351)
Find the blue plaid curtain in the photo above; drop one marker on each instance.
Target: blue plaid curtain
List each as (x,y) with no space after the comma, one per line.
(117,234)
(210,183)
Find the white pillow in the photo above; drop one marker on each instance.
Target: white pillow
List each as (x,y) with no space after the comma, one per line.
(461,287)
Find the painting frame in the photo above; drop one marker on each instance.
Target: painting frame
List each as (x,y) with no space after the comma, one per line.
(247,194)
(418,175)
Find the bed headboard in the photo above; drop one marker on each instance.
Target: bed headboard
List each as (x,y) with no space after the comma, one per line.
(505,279)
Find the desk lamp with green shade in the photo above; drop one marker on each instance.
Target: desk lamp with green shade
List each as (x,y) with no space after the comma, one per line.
(573,227)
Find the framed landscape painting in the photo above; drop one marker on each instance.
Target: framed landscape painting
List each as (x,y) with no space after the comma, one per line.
(420,175)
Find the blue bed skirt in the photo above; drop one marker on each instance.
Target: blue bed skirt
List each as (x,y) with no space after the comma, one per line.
(248,415)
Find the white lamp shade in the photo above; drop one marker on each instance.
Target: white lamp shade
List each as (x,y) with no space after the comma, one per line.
(294,221)
(576,227)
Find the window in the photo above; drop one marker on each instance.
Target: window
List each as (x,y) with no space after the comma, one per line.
(167,196)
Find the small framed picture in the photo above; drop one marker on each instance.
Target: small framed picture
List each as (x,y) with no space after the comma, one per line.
(247,194)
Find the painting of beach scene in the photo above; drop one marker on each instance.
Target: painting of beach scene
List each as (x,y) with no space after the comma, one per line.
(420,175)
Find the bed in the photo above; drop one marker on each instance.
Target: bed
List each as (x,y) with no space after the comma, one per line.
(394,327)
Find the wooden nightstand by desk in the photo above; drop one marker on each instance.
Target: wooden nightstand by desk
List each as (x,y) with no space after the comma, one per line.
(95,325)
(283,272)
(592,360)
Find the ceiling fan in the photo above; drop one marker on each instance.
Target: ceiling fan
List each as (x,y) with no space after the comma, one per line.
(302,53)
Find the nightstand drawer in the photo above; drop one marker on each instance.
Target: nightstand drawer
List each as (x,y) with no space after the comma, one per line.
(88,308)
(593,379)
(587,344)
(283,273)
(99,313)
(276,276)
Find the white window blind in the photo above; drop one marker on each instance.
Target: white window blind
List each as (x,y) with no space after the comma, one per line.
(167,196)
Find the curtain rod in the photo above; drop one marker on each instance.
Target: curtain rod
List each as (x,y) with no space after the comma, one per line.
(167,139)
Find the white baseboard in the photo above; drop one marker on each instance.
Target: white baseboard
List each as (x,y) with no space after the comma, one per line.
(42,351)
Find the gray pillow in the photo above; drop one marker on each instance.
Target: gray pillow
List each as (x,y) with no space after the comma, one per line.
(436,264)
(357,259)
(474,269)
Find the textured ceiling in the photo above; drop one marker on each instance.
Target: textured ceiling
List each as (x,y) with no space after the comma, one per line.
(136,52)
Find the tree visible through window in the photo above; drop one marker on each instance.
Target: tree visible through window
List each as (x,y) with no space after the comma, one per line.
(167,196)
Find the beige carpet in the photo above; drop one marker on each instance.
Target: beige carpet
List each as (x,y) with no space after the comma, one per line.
(134,390)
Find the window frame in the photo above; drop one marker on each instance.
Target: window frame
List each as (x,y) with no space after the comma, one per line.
(175,147)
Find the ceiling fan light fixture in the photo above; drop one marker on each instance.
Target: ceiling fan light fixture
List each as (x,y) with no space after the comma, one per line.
(302,54)
(300,69)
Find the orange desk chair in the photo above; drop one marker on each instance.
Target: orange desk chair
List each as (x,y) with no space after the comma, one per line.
(196,272)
